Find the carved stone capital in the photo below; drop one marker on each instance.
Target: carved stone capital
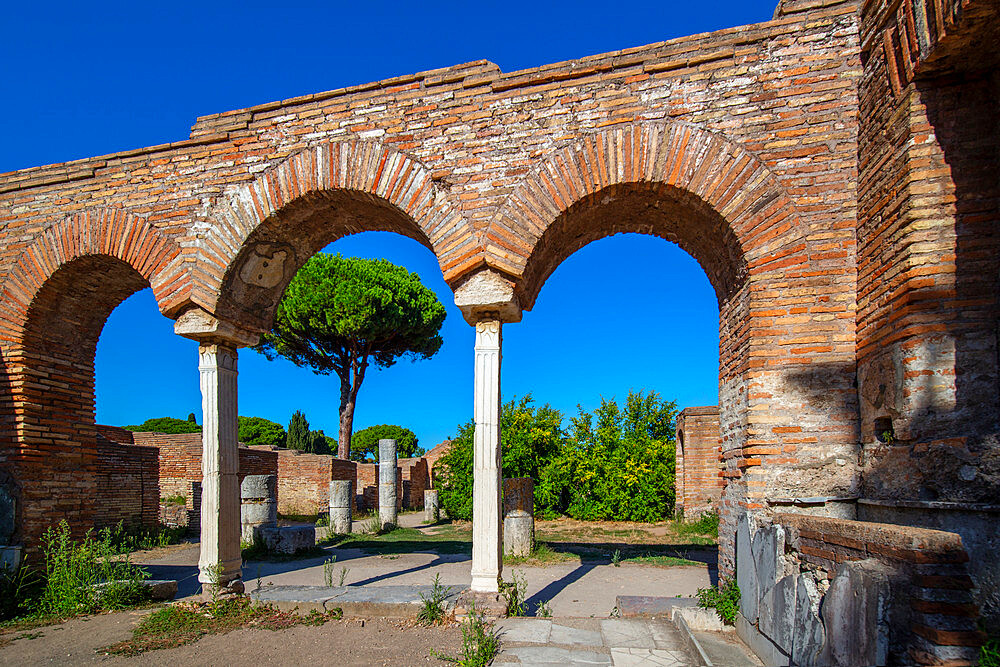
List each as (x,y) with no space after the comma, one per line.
(205,328)
(487,295)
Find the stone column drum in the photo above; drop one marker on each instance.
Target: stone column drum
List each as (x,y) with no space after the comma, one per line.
(340,506)
(386,483)
(258,505)
(518,516)
(432,510)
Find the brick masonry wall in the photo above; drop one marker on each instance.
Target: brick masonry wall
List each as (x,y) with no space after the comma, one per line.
(366,488)
(414,480)
(699,468)
(304,480)
(932,615)
(127,488)
(432,458)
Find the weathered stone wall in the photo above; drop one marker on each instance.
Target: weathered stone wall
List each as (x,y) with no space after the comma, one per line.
(699,468)
(826,591)
(128,485)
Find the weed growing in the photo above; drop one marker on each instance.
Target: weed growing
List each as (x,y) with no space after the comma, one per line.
(543,610)
(343,575)
(725,600)
(616,558)
(480,642)
(328,571)
(989,654)
(514,592)
(432,610)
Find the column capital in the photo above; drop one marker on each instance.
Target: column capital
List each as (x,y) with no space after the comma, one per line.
(207,329)
(488,295)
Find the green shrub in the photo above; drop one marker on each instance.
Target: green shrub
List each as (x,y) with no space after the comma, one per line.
(166,425)
(989,654)
(707,524)
(725,600)
(364,443)
(260,431)
(86,576)
(514,592)
(480,642)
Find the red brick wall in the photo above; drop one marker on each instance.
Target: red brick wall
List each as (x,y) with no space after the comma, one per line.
(432,458)
(304,480)
(413,482)
(699,480)
(367,486)
(127,487)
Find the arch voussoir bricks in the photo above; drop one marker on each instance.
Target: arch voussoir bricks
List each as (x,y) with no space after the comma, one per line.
(99,232)
(356,166)
(721,173)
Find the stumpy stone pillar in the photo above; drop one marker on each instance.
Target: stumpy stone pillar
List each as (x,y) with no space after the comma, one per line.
(387,483)
(340,506)
(487,563)
(258,505)
(432,510)
(220,562)
(518,516)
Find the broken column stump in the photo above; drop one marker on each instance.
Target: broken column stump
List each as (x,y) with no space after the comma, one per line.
(518,516)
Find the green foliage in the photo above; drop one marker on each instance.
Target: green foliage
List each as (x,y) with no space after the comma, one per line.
(616,463)
(318,443)
(340,315)
(725,600)
(166,425)
(707,524)
(260,431)
(86,576)
(543,610)
(298,432)
(133,538)
(530,438)
(480,642)
(192,418)
(432,609)
(989,653)
(18,591)
(364,443)
(514,592)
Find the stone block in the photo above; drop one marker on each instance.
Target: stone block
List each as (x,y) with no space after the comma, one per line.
(809,636)
(288,539)
(10,558)
(259,487)
(8,513)
(777,612)
(341,492)
(746,571)
(432,507)
(855,613)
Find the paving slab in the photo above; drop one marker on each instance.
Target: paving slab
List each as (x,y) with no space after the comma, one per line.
(555,655)
(643,657)
(563,634)
(525,630)
(387,601)
(627,633)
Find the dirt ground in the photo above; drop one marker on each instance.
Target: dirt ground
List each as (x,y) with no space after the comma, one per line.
(347,642)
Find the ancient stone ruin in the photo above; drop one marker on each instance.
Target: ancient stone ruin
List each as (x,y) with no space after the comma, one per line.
(834,171)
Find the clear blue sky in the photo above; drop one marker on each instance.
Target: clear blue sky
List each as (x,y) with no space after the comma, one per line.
(83,79)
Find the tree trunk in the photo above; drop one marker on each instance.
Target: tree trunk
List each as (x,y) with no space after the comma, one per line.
(346,419)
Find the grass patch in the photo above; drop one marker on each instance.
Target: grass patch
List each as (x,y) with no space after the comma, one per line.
(706,525)
(405,540)
(176,499)
(541,554)
(184,622)
(661,561)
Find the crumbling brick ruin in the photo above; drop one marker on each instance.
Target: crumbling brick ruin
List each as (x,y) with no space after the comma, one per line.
(834,171)
(699,467)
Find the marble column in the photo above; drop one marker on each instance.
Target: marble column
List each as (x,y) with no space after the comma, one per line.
(387,492)
(487,536)
(220,562)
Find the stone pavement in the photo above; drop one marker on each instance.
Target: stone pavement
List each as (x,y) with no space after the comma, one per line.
(591,641)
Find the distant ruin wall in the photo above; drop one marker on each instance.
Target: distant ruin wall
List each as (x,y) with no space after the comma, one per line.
(699,469)
(128,488)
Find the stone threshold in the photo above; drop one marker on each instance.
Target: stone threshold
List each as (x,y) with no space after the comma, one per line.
(370,601)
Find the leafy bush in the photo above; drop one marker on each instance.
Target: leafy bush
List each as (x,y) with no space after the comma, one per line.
(530,438)
(260,431)
(364,443)
(725,600)
(86,576)
(166,425)
(617,463)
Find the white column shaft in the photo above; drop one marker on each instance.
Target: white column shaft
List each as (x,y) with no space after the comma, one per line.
(487,527)
(220,561)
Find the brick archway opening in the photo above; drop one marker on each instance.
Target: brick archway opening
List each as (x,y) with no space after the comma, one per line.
(52,386)
(274,252)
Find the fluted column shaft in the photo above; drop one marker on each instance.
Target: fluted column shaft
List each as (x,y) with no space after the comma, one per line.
(487,535)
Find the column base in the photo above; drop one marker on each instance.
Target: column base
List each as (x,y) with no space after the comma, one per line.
(489,605)
(228,589)
(485,583)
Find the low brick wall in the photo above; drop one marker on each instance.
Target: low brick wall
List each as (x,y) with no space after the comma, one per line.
(304,480)
(699,480)
(127,488)
(414,480)
(432,458)
(367,487)
(830,591)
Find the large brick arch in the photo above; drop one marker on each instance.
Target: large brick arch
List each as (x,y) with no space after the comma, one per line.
(55,302)
(705,173)
(109,233)
(312,198)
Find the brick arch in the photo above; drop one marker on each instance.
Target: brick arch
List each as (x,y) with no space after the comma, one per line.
(702,172)
(357,185)
(109,233)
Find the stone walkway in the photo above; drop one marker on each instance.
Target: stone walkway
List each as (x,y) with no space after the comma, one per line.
(591,641)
